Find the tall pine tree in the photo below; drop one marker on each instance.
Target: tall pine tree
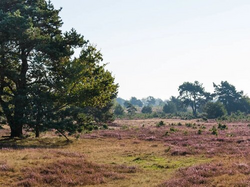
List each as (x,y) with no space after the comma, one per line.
(41,85)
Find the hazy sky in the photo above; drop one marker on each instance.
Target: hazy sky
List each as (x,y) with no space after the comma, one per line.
(153,46)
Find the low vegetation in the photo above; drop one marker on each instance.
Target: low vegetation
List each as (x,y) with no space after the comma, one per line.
(178,153)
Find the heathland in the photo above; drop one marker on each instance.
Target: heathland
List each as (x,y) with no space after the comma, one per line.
(150,152)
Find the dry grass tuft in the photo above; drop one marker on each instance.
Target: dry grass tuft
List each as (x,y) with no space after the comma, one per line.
(4,167)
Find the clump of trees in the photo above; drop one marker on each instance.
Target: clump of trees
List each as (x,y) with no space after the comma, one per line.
(42,86)
(232,100)
(136,102)
(225,100)
(174,106)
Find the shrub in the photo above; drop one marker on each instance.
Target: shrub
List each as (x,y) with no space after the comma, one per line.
(214,131)
(204,118)
(146,110)
(203,127)
(189,125)
(124,127)
(172,129)
(105,126)
(169,108)
(185,133)
(194,126)
(159,124)
(214,110)
(222,127)
(166,133)
(179,124)
(119,111)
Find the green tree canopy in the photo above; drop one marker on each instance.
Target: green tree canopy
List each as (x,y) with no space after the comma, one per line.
(150,101)
(193,95)
(214,110)
(130,108)
(147,110)
(41,85)
(170,108)
(120,101)
(136,102)
(119,111)
(159,102)
(245,104)
(228,95)
(180,107)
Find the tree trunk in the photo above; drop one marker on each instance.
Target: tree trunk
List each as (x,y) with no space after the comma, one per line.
(194,108)
(194,113)
(37,131)
(16,131)
(17,121)
(20,100)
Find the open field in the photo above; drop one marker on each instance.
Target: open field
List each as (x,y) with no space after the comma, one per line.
(133,153)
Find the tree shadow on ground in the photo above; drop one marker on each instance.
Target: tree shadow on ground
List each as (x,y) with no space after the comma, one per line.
(24,143)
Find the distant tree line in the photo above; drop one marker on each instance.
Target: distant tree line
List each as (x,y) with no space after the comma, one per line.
(225,100)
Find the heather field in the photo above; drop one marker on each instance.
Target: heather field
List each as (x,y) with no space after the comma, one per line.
(151,152)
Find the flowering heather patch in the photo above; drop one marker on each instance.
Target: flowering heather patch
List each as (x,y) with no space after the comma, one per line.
(133,153)
(211,174)
(72,172)
(233,140)
(56,167)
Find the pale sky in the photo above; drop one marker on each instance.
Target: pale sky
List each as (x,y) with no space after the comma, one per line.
(153,46)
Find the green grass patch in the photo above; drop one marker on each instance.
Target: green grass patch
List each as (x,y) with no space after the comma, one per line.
(153,162)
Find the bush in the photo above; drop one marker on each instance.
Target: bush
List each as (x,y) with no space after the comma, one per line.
(166,133)
(214,110)
(172,129)
(199,131)
(214,131)
(146,110)
(119,111)
(185,133)
(204,118)
(124,127)
(222,127)
(203,127)
(105,126)
(159,124)
(194,126)
(189,125)
(179,124)
(95,127)
(169,108)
